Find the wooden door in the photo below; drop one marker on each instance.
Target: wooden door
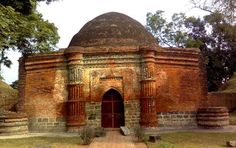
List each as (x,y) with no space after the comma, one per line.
(112,110)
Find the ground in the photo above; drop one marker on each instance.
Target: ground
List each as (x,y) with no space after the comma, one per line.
(181,139)
(232,118)
(193,140)
(41,142)
(8,96)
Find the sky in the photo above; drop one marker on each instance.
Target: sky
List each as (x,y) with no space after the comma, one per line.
(69,16)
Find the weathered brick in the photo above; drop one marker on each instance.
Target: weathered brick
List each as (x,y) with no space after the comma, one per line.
(177,119)
(174,79)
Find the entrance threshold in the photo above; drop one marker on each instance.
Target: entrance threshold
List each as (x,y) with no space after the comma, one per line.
(112,129)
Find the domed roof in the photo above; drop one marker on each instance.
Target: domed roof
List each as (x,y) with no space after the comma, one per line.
(112,29)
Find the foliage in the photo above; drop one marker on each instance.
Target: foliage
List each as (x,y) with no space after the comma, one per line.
(87,134)
(25,7)
(22,28)
(213,35)
(8,95)
(232,118)
(28,34)
(170,34)
(15,84)
(139,133)
(230,85)
(225,7)
(1,77)
(100,132)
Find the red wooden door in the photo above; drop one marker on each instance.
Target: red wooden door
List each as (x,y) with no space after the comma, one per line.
(112,109)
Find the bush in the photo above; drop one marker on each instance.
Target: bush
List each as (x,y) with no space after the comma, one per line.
(87,135)
(139,133)
(100,132)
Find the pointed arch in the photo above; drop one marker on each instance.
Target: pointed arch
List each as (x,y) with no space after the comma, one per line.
(112,109)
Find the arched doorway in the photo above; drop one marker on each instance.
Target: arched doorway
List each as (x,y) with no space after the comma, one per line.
(112,109)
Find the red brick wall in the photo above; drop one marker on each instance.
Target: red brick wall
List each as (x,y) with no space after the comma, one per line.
(39,101)
(45,87)
(180,80)
(215,99)
(178,89)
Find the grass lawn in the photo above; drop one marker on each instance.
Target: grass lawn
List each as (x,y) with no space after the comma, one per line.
(230,85)
(232,118)
(193,140)
(42,142)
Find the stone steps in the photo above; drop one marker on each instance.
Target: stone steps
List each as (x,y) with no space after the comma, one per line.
(212,117)
(12,123)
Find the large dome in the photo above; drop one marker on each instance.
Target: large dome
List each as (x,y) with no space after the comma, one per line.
(111,29)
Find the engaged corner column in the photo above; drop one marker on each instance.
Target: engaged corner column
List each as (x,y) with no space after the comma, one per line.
(148,89)
(21,85)
(76,101)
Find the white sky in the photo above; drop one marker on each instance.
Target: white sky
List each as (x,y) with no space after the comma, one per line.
(70,15)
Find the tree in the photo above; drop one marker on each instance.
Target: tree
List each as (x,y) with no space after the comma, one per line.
(225,7)
(22,28)
(167,34)
(23,6)
(15,84)
(213,35)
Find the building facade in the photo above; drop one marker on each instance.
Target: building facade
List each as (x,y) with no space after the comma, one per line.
(112,74)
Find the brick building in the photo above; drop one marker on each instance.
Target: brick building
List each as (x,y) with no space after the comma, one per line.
(112,74)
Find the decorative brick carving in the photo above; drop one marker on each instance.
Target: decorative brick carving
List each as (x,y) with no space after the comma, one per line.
(76,74)
(148,91)
(76,105)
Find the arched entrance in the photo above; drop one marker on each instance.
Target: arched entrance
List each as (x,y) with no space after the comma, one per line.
(112,109)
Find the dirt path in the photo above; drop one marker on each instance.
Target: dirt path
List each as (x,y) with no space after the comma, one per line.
(114,139)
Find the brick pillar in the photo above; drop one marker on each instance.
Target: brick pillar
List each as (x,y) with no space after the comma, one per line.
(21,85)
(148,89)
(76,101)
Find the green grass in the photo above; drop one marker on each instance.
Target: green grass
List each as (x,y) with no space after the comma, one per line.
(230,85)
(193,140)
(232,118)
(42,142)
(8,96)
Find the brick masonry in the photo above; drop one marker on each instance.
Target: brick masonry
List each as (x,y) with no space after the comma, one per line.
(176,119)
(132,113)
(221,99)
(93,112)
(56,124)
(178,83)
(46,91)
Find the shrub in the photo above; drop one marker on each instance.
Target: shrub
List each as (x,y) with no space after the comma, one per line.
(87,135)
(100,132)
(139,133)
